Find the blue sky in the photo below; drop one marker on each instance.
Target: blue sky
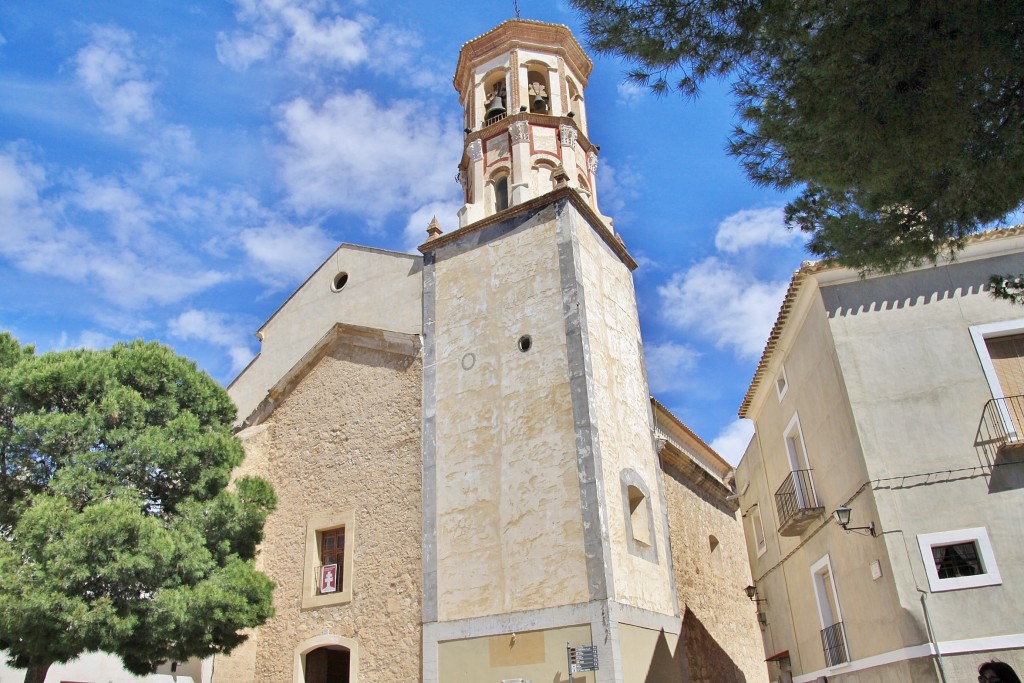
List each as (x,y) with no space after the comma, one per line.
(173,170)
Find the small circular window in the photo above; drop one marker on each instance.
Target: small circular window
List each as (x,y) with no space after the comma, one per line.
(525,343)
(340,280)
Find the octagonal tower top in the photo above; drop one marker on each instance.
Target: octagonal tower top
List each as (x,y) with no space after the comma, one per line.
(521,89)
(522,55)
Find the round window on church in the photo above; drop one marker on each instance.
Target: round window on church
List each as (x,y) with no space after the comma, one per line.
(525,343)
(340,280)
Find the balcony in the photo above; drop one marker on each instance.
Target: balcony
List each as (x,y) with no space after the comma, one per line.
(797,503)
(833,641)
(1000,427)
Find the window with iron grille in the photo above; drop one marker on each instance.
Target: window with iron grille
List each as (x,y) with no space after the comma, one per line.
(959,559)
(962,558)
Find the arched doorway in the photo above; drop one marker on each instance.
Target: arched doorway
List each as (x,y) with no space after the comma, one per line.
(326,658)
(330,664)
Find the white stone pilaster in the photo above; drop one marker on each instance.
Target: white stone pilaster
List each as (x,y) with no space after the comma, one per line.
(520,189)
(567,143)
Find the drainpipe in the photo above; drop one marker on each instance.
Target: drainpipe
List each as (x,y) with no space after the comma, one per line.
(931,634)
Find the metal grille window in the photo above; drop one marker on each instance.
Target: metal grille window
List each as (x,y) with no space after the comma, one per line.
(960,559)
(834,644)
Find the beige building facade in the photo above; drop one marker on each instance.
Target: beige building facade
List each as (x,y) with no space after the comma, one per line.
(893,398)
(473,479)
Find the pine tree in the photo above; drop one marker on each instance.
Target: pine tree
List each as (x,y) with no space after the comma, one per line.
(118,530)
(901,122)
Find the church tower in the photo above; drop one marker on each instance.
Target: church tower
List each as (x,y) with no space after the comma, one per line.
(544,516)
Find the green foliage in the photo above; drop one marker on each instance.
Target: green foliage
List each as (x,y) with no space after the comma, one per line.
(117,529)
(902,122)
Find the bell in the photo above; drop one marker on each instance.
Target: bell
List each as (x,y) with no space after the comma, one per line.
(540,103)
(495,107)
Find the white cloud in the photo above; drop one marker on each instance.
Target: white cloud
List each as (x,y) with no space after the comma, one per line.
(109,70)
(666,364)
(333,41)
(296,30)
(755,227)
(87,339)
(617,186)
(717,301)
(415,232)
(630,93)
(732,441)
(283,253)
(357,155)
(216,329)
(54,226)
(309,36)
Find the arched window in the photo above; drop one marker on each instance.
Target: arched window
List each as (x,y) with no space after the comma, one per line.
(542,173)
(496,101)
(639,516)
(575,104)
(499,188)
(538,90)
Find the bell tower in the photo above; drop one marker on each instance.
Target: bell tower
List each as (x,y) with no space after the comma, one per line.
(521,88)
(544,515)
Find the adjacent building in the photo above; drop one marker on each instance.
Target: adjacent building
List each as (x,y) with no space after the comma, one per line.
(895,400)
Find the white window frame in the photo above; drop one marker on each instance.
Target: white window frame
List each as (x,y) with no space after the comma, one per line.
(825,563)
(794,428)
(757,527)
(979,333)
(780,392)
(795,431)
(977,535)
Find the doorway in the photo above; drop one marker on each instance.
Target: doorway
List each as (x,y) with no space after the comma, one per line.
(328,665)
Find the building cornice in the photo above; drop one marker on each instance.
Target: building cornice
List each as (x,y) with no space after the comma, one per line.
(980,246)
(523,33)
(568,194)
(340,333)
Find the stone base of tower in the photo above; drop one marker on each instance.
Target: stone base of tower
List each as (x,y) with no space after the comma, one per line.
(634,646)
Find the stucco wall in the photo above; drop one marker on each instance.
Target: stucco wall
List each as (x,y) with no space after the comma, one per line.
(621,404)
(509,529)
(346,438)
(722,641)
(889,389)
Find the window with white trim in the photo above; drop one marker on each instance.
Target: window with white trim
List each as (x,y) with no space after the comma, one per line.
(833,635)
(757,530)
(959,559)
(781,383)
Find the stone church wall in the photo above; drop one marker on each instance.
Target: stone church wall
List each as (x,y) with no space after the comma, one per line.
(720,634)
(345,440)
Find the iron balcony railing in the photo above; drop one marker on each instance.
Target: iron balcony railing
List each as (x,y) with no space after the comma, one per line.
(495,119)
(796,496)
(834,643)
(1002,424)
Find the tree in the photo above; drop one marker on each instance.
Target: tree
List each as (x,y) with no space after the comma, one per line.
(118,531)
(900,121)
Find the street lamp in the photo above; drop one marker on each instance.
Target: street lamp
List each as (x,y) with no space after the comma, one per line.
(842,517)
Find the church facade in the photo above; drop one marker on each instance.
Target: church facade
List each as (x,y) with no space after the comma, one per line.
(474,482)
